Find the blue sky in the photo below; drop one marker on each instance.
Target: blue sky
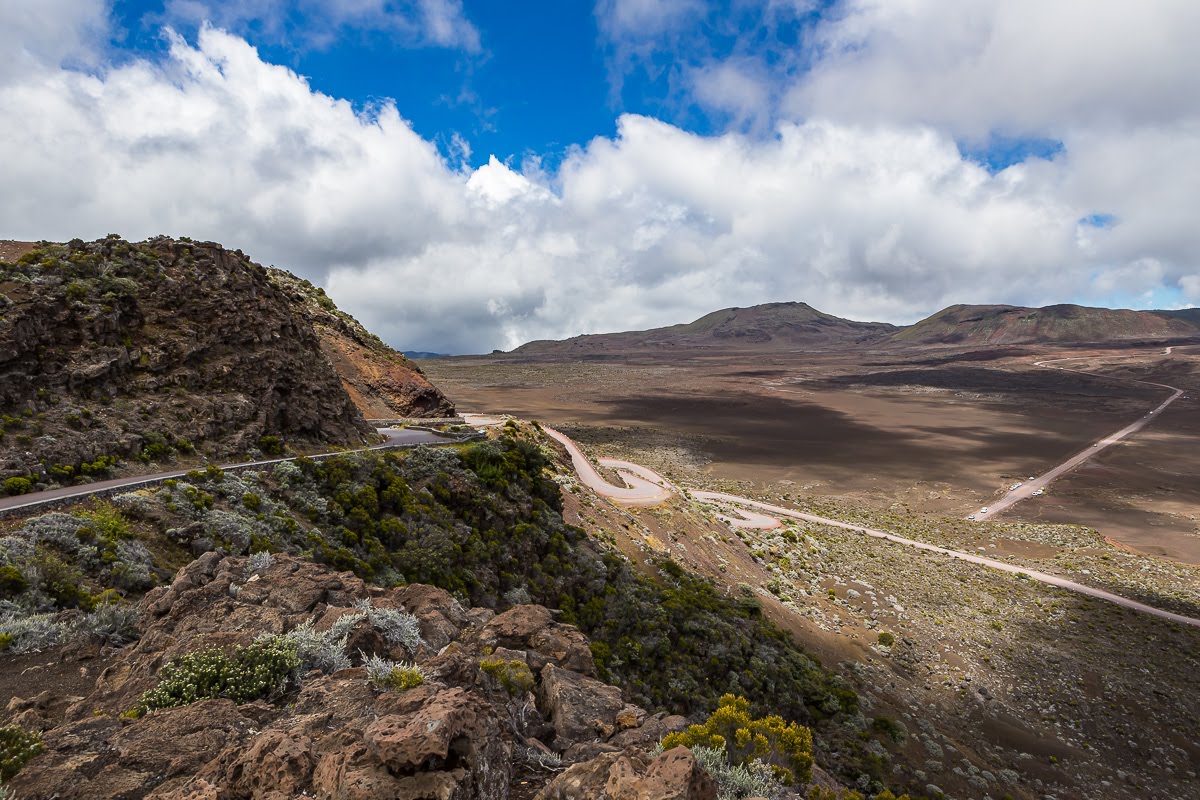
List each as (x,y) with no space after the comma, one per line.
(655,159)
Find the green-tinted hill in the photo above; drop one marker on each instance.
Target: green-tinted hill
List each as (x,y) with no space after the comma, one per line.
(1188,315)
(973,325)
(773,326)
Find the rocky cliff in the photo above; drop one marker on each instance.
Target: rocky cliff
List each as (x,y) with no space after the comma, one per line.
(112,351)
(382,382)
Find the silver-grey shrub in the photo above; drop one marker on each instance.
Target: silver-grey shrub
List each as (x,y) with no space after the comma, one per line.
(737,781)
(32,632)
(397,627)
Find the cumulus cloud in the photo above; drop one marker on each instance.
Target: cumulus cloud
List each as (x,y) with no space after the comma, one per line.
(655,225)
(42,35)
(1029,67)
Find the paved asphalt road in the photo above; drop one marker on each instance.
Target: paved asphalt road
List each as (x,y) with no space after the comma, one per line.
(396,438)
(1026,489)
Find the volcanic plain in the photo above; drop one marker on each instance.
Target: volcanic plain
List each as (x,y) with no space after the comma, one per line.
(928,431)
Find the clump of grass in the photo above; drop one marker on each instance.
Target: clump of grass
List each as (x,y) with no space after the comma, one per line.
(515,676)
(392,676)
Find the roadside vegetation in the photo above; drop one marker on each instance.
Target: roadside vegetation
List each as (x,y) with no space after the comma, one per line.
(482,521)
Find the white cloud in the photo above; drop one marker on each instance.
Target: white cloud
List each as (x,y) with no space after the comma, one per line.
(36,36)
(876,220)
(1026,67)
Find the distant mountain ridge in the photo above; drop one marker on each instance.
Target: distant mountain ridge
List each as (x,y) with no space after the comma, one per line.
(999,324)
(783,326)
(767,326)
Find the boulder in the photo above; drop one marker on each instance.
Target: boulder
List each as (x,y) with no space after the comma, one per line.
(673,775)
(580,708)
(533,629)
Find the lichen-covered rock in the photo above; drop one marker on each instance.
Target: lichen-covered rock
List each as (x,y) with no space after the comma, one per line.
(338,735)
(673,775)
(580,708)
(532,629)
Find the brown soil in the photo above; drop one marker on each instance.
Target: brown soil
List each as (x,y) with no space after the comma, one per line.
(937,431)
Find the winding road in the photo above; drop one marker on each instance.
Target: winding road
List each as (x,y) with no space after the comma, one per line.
(395,438)
(644,487)
(1029,488)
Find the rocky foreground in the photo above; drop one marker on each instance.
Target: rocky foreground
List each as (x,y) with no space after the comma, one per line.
(492,706)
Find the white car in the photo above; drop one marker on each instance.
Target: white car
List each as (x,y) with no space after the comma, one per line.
(1039,492)
(983,510)
(1015,486)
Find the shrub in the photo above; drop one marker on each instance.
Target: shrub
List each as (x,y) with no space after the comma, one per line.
(6,641)
(252,501)
(397,627)
(886,639)
(27,634)
(112,624)
(243,674)
(76,291)
(736,781)
(271,445)
(324,651)
(393,676)
(12,582)
(785,747)
(17,746)
(515,676)
(14,486)
(259,562)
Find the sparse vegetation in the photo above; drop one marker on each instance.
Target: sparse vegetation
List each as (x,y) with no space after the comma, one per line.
(17,746)
(514,676)
(393,676)
(242,674)
(785,748)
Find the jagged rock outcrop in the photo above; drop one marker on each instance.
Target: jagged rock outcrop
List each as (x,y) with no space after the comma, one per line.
(112,349)
(462,734)
(382,382)
(673,775)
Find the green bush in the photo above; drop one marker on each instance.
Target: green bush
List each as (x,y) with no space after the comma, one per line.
(76,291)
(17,746)
(12,582)
(243,674)
(13,486)
(886,639)
(251,501)
(6,640)
(515,676)
(785,747)
(271,445)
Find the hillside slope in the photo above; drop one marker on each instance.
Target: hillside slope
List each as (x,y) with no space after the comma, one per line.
(382,382)
(768,326)
(983,324)
(111,350)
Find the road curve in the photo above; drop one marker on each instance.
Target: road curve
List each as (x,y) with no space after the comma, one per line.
(1027,489)
(396,438)
(647,487)
(643,487)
